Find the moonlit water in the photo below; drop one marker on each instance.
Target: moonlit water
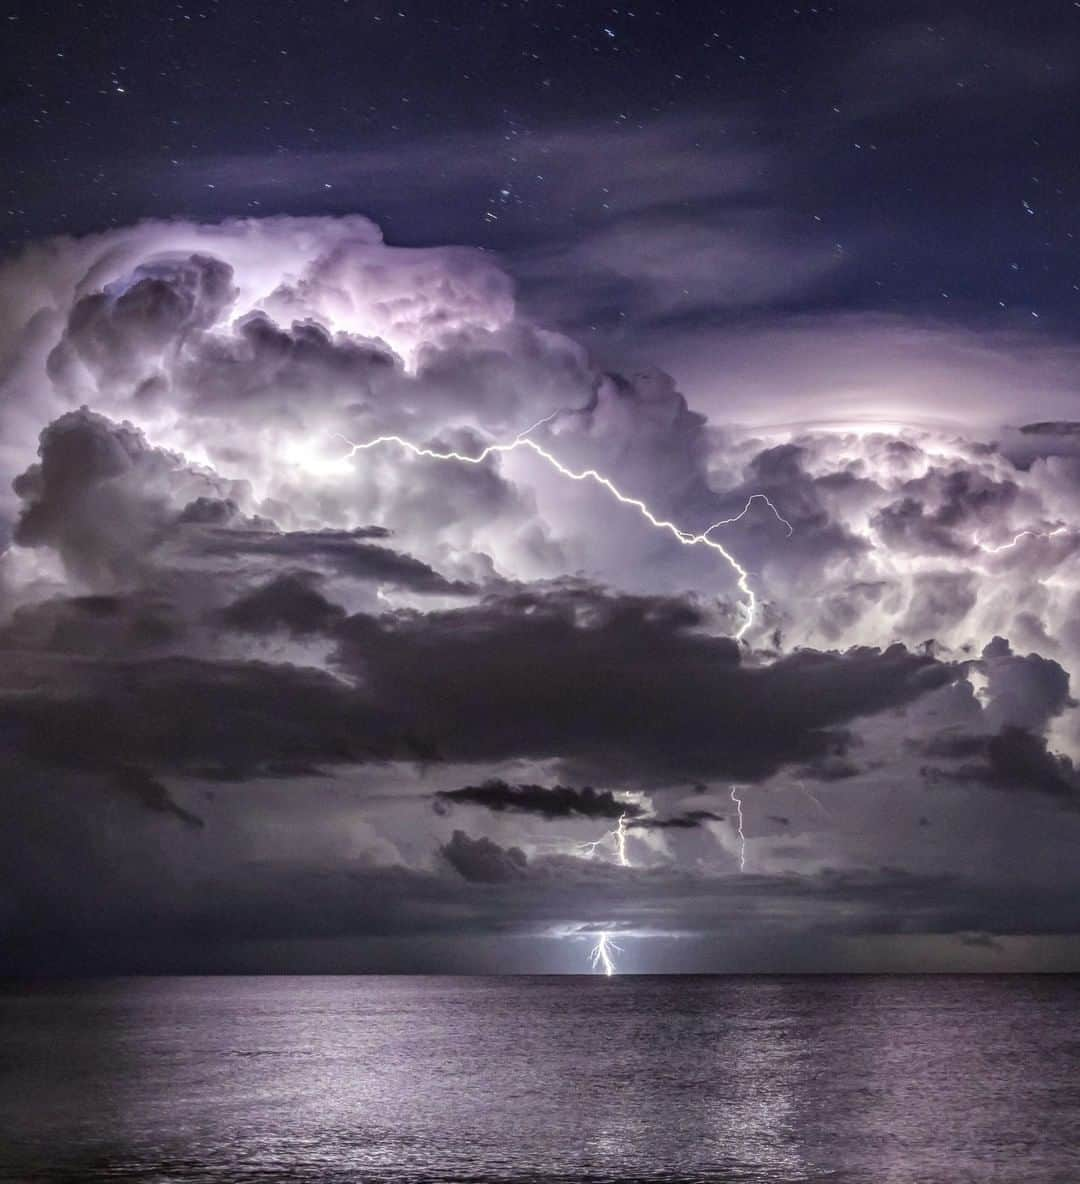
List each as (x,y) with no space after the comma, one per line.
(448,1079)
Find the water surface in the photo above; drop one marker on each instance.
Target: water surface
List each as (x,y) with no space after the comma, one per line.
(342,1079)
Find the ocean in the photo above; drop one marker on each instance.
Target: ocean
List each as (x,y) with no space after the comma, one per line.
(887,1080)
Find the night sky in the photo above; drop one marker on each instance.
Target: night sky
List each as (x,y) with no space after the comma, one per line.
(277,693)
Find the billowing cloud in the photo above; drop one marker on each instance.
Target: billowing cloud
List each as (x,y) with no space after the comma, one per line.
(266,653)
(482,861)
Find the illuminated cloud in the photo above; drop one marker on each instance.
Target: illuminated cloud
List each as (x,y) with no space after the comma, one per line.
(210,601)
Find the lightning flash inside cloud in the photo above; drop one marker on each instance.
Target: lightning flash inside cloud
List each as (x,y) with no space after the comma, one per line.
(523,440)
(600,956)
(1015,540)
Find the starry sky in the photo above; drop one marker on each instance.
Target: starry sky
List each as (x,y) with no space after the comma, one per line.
(278,693)
(911,156)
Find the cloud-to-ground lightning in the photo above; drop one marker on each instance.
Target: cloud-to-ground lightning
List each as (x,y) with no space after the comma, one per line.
(616,838)
(523,440)
(742,837)
(600,955)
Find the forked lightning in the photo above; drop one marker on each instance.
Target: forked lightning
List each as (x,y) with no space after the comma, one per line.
(600,955)
(616,837)
(523,440)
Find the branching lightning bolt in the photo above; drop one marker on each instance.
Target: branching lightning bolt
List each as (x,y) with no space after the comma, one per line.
(742,837)
(745,510)
(522,440)
(600,955)
(616,837)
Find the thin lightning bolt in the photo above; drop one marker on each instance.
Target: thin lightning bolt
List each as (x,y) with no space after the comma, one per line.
(600,955)
(616,837)
(812,797)
(746,509)
(742,837)
(1033,534)
(522,440)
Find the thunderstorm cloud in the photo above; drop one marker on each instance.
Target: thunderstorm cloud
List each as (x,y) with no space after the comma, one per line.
(242,659)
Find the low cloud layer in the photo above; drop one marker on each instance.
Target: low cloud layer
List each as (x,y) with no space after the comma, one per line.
(557,801)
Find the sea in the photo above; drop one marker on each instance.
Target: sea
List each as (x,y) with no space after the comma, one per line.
(890,1080)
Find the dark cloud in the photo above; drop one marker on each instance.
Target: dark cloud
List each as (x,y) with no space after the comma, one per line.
(96,625)
(557,801)
(483,862)
(1033,442)
(486,889)
(122,334)
(1019,759)
(208,511)
(291,602)
(981,941)
(264,367)
(560,671)
(346,552)
(184,715)
(831,767)
(1013,758)
(149,792)
(454,679)
(101,496)
(690,820)
(906,525)
(77,498)
(954,745)
(1066,428)
(1022,691)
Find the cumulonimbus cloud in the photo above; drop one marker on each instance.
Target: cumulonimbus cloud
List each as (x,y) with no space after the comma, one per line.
(200,588)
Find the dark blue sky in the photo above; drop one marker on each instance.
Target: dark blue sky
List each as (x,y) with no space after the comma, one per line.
(923,151)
